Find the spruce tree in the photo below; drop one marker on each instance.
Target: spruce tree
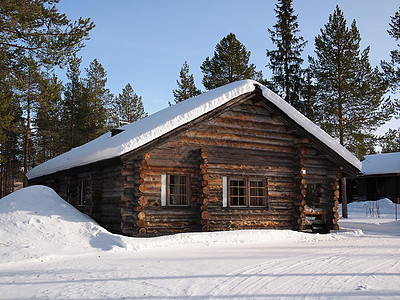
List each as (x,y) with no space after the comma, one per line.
(349,91)
(99,100)
(74,107)
(230,63)
(186,87)
(392,68)
(128,107)
(390,142)
(285,61)
(47,121)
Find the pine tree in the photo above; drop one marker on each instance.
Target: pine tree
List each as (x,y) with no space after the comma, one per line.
(186,87)
(390,142)
(36,30)
(99,100)
(11,137)
(128,107)
(33,36)
(349,91)
(230,63)
(286,60)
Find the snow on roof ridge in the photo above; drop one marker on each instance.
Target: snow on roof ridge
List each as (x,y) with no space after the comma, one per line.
(312,128)
(381,163)
(145,130)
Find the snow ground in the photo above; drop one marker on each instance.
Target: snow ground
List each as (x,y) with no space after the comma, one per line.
(49,250)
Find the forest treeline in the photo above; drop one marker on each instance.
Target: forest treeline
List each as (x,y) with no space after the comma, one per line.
(42,117)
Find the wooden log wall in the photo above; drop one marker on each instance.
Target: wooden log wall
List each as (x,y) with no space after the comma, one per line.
(322,174)
(248,140)
(130,174)
(102,194)
(109,183)
(151,218)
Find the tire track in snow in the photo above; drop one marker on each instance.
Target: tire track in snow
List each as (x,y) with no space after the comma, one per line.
(256,279)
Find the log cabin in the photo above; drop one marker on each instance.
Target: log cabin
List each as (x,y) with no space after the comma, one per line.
(237,157)
(379,178)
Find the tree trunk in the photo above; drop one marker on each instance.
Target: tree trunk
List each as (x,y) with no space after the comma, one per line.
(28,129)
(344,198)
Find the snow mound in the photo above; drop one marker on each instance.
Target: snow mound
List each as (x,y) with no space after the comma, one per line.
(372,217)
(36,223)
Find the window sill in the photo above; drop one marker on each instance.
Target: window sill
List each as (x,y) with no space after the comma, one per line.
(247,207)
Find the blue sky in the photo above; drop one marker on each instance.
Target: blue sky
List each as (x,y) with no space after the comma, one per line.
(145,43)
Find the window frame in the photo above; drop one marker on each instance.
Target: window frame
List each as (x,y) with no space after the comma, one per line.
(247,180)
(168,190)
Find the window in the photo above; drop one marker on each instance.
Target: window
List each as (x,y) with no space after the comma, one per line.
(245,192)
(175,190)
(257,192)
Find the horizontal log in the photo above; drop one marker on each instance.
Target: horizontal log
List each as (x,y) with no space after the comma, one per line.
(142,231)
(261,144)
(127,172)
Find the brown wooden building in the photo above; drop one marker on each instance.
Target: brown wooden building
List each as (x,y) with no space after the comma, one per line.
(237,157)
(379,178)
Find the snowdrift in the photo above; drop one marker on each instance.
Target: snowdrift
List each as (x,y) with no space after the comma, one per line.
(36,224)
(373,217)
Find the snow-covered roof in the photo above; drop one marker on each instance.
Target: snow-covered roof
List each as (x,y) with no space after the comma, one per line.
(141,132)
(386,163)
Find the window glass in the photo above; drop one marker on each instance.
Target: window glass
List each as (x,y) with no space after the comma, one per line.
(247,192)
(178,190)
(257,192)
(238,192)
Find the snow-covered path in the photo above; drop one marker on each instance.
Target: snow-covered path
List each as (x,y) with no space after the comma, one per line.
(354,267)
(266,264)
